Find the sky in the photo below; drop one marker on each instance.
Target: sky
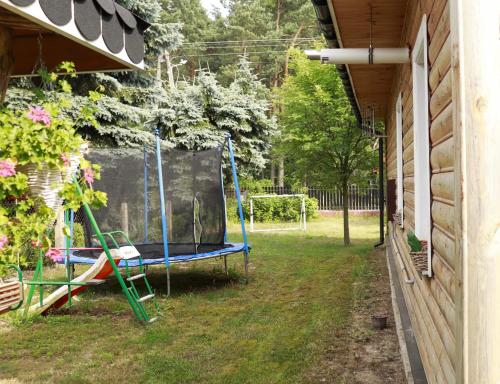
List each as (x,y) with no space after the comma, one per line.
(210,4)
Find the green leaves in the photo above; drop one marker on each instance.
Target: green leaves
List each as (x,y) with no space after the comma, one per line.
(321,140)
(414,243)
(36,132)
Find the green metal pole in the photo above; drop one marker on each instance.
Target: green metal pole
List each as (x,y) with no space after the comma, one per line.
(40,276)
(31,291)
(105,247)
(68,267)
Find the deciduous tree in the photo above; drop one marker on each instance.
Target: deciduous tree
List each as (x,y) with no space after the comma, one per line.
(321,138)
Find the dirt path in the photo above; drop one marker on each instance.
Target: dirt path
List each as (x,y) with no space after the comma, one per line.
(358,354)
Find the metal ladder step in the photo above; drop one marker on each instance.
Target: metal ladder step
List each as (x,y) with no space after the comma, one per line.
(147,297)
(96,282)
(132,278)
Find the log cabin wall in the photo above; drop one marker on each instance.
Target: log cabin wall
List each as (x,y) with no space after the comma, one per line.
(433,303)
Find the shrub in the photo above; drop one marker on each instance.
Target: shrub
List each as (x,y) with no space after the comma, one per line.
(273,209)
(255,186)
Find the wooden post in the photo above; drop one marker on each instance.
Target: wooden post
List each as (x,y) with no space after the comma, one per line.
(124,217)
(170,216)
(475,81)
(6,60)
(58,229)
(59,238)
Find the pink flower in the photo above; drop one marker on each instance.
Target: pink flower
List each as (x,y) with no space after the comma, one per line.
(7,168)
(55,255)
(65,159)
(39,115)
(88,174)
(3,241)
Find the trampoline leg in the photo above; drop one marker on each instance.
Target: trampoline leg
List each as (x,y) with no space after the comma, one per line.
(225,265)
(246,266)
(168,282)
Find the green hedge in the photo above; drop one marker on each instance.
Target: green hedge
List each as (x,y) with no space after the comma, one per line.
(273,209)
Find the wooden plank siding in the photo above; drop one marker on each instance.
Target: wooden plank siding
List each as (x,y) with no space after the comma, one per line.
(431,301)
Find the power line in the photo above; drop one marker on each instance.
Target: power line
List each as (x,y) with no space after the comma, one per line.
(229,54)
(250,41)
(241,47)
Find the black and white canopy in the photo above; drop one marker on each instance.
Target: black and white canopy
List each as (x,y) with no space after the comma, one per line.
(97,35)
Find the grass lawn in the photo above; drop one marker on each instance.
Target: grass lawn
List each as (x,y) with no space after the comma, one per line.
(215,329)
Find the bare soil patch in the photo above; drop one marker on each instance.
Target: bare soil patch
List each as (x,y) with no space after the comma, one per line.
(357,353)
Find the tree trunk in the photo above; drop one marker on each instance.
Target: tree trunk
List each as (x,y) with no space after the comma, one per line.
(345,208)
(170,71)
(158,68)
(292,44)
(276,80)
(273,173)
(6,60)
(281,173)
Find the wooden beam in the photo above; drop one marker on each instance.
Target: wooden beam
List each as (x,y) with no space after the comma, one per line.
(6,60)
(475,62)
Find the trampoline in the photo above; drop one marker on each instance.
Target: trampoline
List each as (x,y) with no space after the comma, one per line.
(169,202)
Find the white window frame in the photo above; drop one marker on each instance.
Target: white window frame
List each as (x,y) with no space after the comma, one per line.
(421,161)
(399,159)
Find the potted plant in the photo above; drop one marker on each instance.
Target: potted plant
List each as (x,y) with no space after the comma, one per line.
(418,252)
(40,152)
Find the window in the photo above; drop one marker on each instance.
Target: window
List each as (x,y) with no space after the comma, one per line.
(421,139)
(399,159)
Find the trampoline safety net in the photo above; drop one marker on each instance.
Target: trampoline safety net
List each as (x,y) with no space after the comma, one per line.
(194,199)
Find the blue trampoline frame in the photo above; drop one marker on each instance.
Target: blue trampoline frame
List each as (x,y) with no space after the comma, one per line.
(231,248)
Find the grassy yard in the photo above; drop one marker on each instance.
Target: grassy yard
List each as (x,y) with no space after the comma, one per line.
(216,329)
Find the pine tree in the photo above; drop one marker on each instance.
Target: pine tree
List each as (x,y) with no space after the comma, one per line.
(198,115)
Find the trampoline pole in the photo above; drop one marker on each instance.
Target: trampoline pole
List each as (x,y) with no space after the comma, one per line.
(240,207)
(146,229)
(162,205)
(225,204)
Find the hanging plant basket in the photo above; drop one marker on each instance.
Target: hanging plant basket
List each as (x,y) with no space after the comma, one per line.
(420,258)
(47,182)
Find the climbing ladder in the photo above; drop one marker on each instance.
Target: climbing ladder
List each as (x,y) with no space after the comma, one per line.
(130,254)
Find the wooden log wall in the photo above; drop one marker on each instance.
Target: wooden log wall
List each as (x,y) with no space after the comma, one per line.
(431,301)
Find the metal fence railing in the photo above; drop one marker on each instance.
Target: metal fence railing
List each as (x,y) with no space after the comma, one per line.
(329,199)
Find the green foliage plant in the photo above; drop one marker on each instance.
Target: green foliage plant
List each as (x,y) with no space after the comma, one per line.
(321,139)
(414,243)
(40,136)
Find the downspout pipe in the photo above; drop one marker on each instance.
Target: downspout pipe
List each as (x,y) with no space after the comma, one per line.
(381,197)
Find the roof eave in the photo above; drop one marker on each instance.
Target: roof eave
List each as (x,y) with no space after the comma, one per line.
(328,26)
(70,31)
